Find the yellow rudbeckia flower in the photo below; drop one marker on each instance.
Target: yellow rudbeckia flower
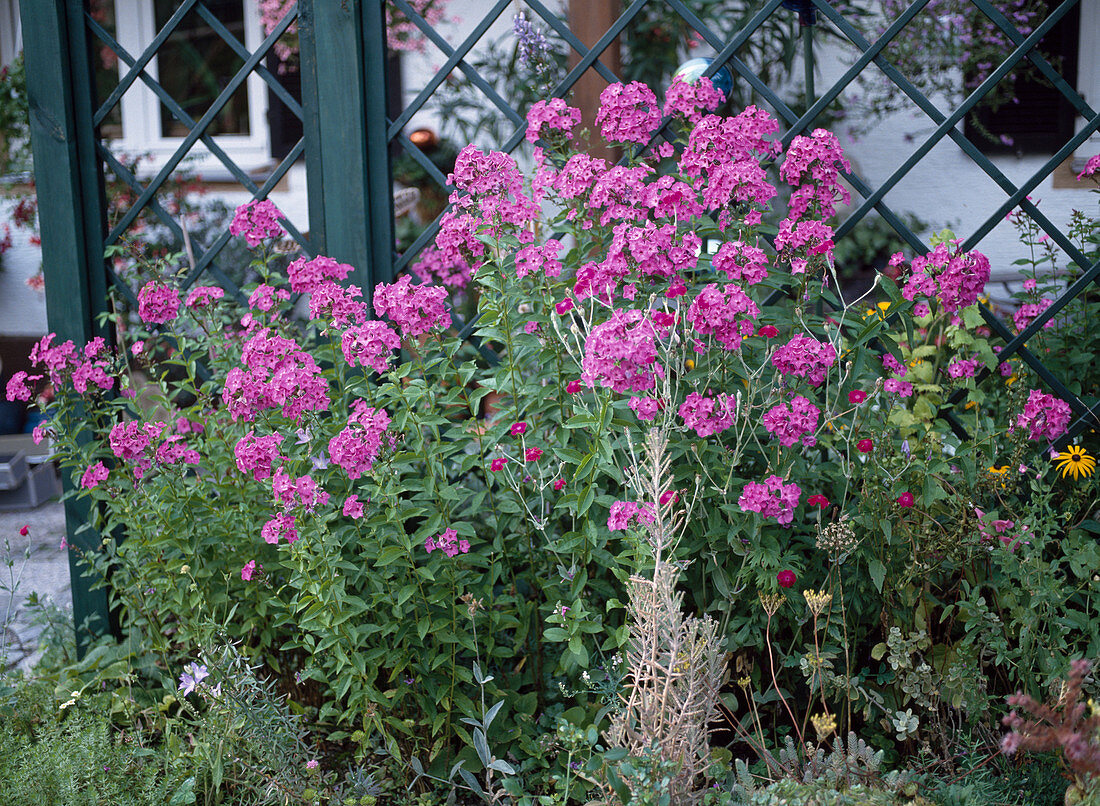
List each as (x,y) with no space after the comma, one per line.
(1076,461)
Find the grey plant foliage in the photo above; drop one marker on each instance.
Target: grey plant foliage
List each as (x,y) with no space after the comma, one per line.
(674,666)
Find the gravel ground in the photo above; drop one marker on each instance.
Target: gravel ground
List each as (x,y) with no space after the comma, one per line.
(32,563)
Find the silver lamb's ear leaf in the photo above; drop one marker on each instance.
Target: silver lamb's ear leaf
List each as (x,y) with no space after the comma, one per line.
(492,714)
(471,782)
(482,747)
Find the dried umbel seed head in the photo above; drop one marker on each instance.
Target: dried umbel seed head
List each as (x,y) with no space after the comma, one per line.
(472,604)
(824,724)
(771,602)
(837,539)
(818,601)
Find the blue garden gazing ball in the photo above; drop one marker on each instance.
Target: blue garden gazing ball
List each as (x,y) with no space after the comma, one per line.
(692,69)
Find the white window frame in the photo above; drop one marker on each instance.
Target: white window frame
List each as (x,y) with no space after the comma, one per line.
(1088,77)
(135,27)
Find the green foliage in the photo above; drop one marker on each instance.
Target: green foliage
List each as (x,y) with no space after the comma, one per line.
(75,756)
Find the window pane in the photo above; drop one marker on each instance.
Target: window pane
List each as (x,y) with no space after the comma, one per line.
(196,64)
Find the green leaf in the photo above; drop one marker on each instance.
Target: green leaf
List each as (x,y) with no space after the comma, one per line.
(878,572)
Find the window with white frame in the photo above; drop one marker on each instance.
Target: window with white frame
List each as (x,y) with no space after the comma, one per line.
(194,65)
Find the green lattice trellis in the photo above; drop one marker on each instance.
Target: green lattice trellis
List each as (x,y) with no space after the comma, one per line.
(348,138)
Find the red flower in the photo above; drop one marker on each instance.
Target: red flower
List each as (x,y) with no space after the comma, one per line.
(669,495)
(768,331)
(517,429)
(498,464)
(856,396)
(25,530)
(559,484)
(532,454)
(573,387)
(865,446)
(565,306)
(905,499)
(818,500)
(786,579)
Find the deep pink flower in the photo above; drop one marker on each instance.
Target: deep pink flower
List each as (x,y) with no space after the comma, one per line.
(645,408)
(865,446)
(818,501)
(628,113)
(768,331)
(448,543)
(25,530)
(667,496)
(369,345)
(353,507)
(517,429)
(158,303)
(559,484)
(256,220)
(415,309)
(856,396)
(248,570)
(307,274)
(498,464)
(565,306)
(573,387)
(1044,416)
(204,295)
(94,475)
(786,579)
(532,454)
(771,499)
(905,500)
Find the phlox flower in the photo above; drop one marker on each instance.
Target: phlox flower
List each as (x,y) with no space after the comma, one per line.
(686,98)
(553,115)
(203,296)
(805,357)
(248,570)
(771,499)
(628,113)
(369,345)
(415,309)
(256,454)
(793,422)
(708,415)
(20,386)
(306,274)
(356,447)
(93,475)
(1044,416)
(898,387)
(621,352)
(645,408)
(256,220)
(725,312)
(448,543)
(158,304)
(741,261)
(353,507)
(282,525)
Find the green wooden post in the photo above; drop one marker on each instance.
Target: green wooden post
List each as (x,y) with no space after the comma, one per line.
(69,184)
(347,158)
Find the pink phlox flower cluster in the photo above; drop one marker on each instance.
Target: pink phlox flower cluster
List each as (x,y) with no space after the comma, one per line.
(21,386)
(741,261)
(203,296)
(331,302)
(814,163)
(91,372)
(174,450)
(448,543)
(622,513)
(443,266)
(794,422)
(282,525)
(256,455)
(303,491)
(1091,167)
(94,475)
(673,198)
(956,279)
(271,14)
(798,241)
(621,352)
(554,114)
(539,259)
(898,387)
(277,373)
(891,364)
(402,34)
(741,181)
(158,303)
(257,220)
(492,185)
(353,507)
(1044,416)
(620,193)
(645,408)
(265,296)
(964,367)
(307,274)
(687,98)
(1004,530)
(708,415)
(629,113)
(577,176)
(357,446)
(130,442)
(772,499)
(369,345)
(1028,311)
(718,140)
(805,357)
(726,311)
(416,309)
(655,250)
(601,280)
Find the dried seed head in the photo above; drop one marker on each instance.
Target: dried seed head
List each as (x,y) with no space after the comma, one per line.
(824,724)
(818,601)
(771,602)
